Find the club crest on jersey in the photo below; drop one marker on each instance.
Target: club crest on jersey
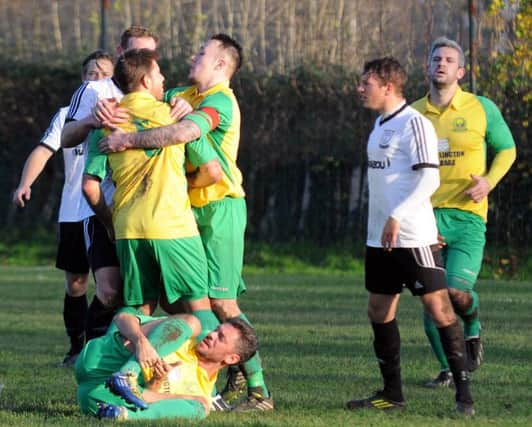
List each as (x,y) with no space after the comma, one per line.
(78,151)
(459,124)
(385,139)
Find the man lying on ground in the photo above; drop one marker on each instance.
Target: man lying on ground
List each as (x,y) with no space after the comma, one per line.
(178,373)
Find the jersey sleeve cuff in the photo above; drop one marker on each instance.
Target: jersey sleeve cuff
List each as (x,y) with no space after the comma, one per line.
(202,120)
(53,150)
(425,165)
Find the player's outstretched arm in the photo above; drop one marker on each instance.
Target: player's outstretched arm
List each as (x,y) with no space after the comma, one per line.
(33,167)
(164,136)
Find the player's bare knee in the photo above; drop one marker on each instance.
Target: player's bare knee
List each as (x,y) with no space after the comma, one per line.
(225,308)
(76,284)
(461,300)
(108,295)
(377,314)
(193,322)
(438,305)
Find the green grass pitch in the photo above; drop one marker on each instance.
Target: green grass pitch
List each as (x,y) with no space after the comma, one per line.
(316,350)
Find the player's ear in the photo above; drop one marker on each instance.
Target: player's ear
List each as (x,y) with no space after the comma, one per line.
(460,73)
(145,81)
(232,359)
(390,88)
(220,63)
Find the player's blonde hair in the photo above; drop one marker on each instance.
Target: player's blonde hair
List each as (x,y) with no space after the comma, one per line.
(446,42)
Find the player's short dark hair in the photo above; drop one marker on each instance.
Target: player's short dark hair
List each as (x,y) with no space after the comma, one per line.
(136,31)
(387,70)
(248,342)
(131,66)
(97,54)
(232,47)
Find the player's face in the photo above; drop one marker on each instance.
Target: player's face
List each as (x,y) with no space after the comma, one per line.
(98,69)
(220,344)
(204,63)
(443,68)
(157,81)
(372,92)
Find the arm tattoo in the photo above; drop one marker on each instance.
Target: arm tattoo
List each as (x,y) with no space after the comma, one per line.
(178,133)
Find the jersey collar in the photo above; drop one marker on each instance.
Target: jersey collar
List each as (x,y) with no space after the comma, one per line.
(133,97)
(392,115)
(216,88)
(455,104)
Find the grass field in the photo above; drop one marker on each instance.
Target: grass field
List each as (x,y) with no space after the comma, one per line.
(316,348)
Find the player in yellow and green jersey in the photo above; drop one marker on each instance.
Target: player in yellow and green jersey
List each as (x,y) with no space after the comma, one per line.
(466,125)
(215,188)
(157,239)
(175,371)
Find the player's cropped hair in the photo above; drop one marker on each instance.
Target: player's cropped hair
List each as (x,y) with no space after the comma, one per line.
(387,70)
(96,55)
(445,42)
(131,66)
(138,32)
(248,341)
(232,47)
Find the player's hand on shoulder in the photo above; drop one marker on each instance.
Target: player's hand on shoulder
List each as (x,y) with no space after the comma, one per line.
(180,108)
(480,188)
(20,195)
(108,113)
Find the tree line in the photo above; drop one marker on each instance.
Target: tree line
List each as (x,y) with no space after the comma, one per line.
(304,132)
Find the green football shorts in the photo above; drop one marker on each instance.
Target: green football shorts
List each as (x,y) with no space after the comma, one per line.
(148,266)
(222,225)
(465,237)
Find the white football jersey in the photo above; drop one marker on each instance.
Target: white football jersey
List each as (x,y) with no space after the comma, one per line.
(71,197)
(81,105)
(398,146)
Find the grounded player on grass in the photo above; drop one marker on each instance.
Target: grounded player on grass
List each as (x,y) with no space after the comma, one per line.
(175,372)
(465,124)
(71,251)
(220,208)
(402,247)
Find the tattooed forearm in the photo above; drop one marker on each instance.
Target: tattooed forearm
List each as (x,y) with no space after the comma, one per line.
(178,133)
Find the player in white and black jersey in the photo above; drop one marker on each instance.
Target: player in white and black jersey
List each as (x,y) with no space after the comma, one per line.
(402,248)
(100,249)
(71,252)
